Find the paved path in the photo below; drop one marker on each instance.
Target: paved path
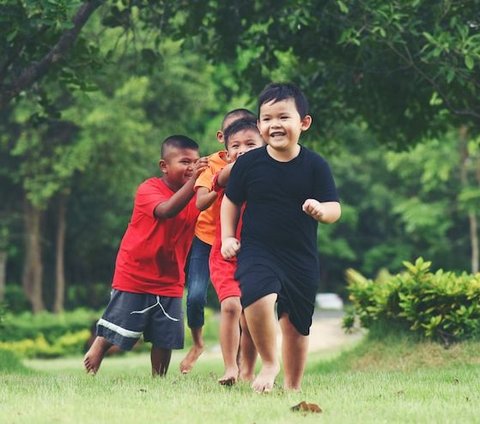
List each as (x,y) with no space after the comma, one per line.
(326,334)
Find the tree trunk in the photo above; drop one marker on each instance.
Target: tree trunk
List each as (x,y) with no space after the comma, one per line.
(58,305)
(3,274)
(33,267)
(472,217)
(474,241)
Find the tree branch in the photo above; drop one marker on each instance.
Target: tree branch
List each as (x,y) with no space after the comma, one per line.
(411,63)
(36,70)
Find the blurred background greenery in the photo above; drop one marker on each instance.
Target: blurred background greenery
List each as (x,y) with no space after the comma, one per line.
(88,90)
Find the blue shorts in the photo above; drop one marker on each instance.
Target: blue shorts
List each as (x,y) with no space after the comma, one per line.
(129,315)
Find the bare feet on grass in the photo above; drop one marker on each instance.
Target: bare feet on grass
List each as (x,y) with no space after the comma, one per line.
(266,378)
(93,358)
(247,377)
(189,361)
(229,378)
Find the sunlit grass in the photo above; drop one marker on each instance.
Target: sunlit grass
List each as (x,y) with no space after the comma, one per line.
(374,382)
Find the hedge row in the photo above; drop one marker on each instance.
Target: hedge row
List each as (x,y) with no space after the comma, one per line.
(47,335)
(441,306)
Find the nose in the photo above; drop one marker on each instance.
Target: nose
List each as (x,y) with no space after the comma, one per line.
(242,151)
(275,122)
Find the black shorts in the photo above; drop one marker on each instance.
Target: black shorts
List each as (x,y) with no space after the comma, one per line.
(129,315)
(295,297)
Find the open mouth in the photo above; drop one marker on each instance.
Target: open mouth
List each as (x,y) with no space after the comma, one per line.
(277,134)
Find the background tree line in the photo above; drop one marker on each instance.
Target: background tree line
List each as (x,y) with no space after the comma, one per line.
(88,90)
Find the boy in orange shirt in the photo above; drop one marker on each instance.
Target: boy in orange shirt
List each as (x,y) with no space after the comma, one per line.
(197,272)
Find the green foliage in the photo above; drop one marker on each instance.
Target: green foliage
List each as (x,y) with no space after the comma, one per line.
(408,68)
(50,326)
(47,335)
(441,306)
(15,298)
(39,347)
(10,363)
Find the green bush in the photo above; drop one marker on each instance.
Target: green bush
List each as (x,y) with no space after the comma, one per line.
(10,362)
(47,335)
(15,299)
(26,325)
(441,306)
(39,347)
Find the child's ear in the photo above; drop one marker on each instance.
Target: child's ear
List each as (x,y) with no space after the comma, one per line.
(306,122)
(163,166)
(220,136)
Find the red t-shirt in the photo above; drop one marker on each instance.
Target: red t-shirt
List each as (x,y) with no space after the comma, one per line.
(152,254)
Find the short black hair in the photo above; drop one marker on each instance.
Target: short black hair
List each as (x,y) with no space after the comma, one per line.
(239,125)
(178,141)
(277,92)
(240,113)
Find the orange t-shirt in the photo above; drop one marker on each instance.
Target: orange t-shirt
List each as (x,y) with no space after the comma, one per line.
(207,220)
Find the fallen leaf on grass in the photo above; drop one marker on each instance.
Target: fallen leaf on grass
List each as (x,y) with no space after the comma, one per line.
(306,407)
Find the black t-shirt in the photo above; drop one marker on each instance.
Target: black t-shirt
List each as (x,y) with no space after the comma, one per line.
(275,229)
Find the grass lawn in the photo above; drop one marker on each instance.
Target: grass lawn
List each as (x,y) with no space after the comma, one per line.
(389,381)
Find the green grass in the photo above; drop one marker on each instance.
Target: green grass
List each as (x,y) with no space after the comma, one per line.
(389,381)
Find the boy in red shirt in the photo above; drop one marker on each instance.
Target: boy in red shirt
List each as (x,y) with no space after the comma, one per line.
(197,272)
(149,272)
(240,137)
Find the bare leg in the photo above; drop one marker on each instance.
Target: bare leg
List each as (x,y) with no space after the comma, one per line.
(230,338)
(294,352)
(248,352)
(93,358)
(195,351)
(160,359)
(261,321)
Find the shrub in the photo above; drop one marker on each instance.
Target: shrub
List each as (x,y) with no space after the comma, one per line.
(441,306)
(10,362)
(47,335)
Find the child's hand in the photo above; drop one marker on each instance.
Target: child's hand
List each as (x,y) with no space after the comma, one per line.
(200,166)
(314,208)
(230,247)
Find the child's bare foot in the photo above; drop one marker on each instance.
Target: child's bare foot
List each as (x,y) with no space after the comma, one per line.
(93,358)
(248,377)
(229,378)
(189,361)
(266,378)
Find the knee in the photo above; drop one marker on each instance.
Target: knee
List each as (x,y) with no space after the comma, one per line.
(231,306)
(196,296)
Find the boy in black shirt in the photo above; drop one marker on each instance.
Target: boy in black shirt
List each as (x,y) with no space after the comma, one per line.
(288,189)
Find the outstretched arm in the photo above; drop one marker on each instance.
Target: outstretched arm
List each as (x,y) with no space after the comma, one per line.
(325,212)
(205,198)
(180,198)
(229,216)
(224,175)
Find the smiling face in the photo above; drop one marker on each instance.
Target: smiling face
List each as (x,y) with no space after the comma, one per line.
(177,166)
(280,125)
(241,142)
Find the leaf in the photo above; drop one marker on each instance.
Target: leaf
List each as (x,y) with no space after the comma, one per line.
(469,62)
(307,407)
(342,6)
